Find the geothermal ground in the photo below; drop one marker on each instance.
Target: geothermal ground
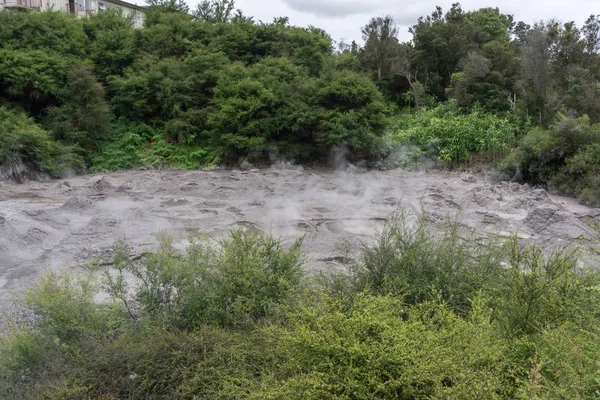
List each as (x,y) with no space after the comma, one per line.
(71,222)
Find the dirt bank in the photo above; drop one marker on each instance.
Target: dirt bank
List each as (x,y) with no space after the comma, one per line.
(69,222)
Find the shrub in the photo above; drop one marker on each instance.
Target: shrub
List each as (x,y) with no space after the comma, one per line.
(414,259)
(120,149)
(538,292)
(425,316)
(210,363)
(65,307)
(542,153)
(28,152)
(242,280)
(83,119)
(452,136)
(564,364)
(274,107)
(63,315)
(579,176)
(379,348)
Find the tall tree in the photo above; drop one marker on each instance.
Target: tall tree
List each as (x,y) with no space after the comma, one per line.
(381,46)
(215,11)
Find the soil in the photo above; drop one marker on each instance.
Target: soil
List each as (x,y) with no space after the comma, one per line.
(62,223)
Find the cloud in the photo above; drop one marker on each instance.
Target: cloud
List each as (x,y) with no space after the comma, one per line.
(335,8)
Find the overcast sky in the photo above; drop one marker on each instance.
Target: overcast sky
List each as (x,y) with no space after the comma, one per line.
(342,19)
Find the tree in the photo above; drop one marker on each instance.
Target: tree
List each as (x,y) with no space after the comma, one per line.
(444,43)
(381,46)
(215,11)
(535,71)
(83,118)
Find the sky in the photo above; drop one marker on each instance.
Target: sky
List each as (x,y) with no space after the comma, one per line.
(342,19)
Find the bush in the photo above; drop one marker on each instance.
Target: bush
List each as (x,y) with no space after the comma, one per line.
(120,149)
(275,108)
(538,292)
(579,176)
(380,348)
(452,136)
(28,152)
(210,363)
(83,119)
(563,364)
(563,158)
(237,283)
(414,259)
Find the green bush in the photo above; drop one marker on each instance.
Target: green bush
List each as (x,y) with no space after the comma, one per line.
(84,118)
(120,149)
(563,364)
(538,292)
(579,176)
(28,152)
(274,108)
(236,283)
(380,348)
(448,134)
(563,158)
(421,262)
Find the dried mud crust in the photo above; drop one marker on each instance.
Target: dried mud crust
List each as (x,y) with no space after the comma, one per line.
(70,222)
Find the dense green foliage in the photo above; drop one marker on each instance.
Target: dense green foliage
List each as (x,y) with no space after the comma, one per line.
(210,92)
(28,151)
(453,136)
(562,156)
(426,312)
(210,86)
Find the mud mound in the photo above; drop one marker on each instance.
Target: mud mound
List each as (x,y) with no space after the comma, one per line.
(102,185)
(551,219)
(77,204)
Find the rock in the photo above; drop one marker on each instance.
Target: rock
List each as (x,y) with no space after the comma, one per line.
(254,170)
(64,184)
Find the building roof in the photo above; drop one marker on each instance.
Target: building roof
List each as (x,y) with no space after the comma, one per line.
(121,3)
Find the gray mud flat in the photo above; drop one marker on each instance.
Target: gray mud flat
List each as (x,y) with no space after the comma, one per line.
(70,222)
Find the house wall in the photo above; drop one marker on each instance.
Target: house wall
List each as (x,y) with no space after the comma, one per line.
(88,7)
(136,15)
(56,5)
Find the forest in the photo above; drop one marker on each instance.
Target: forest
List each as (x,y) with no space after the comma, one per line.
(427,310)
(211,87)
